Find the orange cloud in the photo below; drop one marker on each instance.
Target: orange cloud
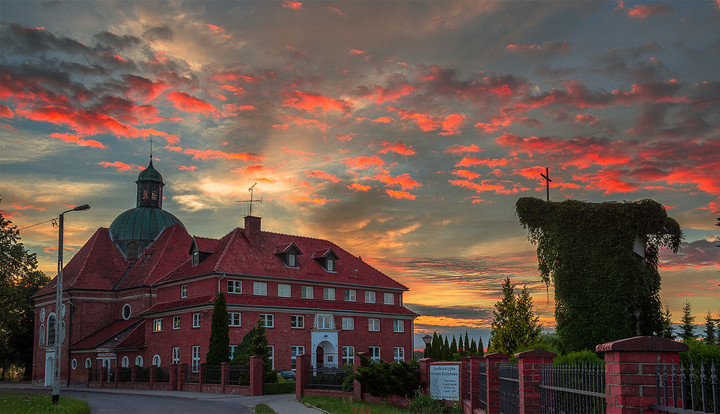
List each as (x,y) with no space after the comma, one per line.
(313,200)
(187,168)
(186,102)
(346,137)
(77,140)
(215,154)
(644,11)
(359,187)
(356,52)
(121,166)
(397,147)
(292,4)
(309,102)
(403,180)
(451,124)
(457,149)
(5,111)
(466,174)
(400,194)
(322,175)
(297,152)
(364,162)
(474,161)
(17,206)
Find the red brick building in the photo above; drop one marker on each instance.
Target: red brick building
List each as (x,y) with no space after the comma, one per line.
(141,292)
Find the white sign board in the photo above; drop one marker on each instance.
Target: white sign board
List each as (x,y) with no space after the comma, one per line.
(445,382)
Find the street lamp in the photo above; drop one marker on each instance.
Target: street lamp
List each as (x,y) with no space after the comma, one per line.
(60,336)
(427,339)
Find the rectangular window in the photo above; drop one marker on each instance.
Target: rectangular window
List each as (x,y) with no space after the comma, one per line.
(292,260)
(157,325)
(297,321)
(324,322)
(176,322)
(260,288)
(348,324)
(234,286)
(234,318)
(176,355)
(373,324)
(398,325)
(196,320)
(283,290)
(348,355)
(389,298)
(271,355)
(369,296)
(195,366)
(375,353)
(350,295)
(268,320)
(399,354)
(330,265)
(183,291)
(329,293)
(306,292)
(232,351)
(295,351)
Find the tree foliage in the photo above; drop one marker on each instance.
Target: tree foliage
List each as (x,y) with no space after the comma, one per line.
(710,329)
(687,329)
(255,343)
(19,280)
(667,331)
(514,323)
(382,378)
(218,351)
(603,290)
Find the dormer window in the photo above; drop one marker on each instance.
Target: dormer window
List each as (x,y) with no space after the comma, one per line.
(288,253)
(326,258)
(196,258)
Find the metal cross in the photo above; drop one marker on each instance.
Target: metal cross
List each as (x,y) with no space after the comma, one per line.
(546,176)
(251,201)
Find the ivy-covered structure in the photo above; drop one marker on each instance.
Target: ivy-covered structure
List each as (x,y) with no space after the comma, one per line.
(602,259)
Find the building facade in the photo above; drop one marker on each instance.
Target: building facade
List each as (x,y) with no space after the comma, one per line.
(141,292)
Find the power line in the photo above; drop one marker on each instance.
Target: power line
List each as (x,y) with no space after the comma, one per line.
(54,222)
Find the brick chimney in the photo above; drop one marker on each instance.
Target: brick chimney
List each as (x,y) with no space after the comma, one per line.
(252,229)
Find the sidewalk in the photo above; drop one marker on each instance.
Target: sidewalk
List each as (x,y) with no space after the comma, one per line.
(280,403)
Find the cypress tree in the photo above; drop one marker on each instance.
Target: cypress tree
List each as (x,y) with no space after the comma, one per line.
(446,356)
(667,330)
(453,348)
(473,347)
(480,347)
(709,330)
(218,351)
(687,328)
(436,353)
(468,348)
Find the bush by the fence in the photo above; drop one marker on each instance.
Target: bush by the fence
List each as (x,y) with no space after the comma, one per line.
(586,356)
(286,387)
(382,378)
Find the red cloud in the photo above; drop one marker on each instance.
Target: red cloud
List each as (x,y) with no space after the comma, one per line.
(397,147)
(458,149)
(359,187)
(608,181)
(346,137)
(382,120)
(215,154)
(643,11)
(474,161)
(487,185)
(314,200)
(187,168)
(542,48)
(380,94)
(121,166)
(291,4)
(17,206)
(302,122)
(400,194)
(297,152)
(466,174)
(77,140)
(322,175)
(309,102)
(363,162)
(356,52)
(451,125)
(5,111)
(143,88)
(585,119)
(186,102)
(403,180)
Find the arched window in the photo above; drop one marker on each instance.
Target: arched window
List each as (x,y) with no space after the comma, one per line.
(126,311)
(74,363)
(125,362)
(42,335)
(138,361)
(88,363)
(51,330)
(42,315)
(156,360)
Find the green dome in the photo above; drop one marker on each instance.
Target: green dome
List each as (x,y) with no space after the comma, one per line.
(150,174)
(141,224)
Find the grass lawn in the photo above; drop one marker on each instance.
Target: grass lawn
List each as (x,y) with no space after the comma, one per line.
(22,403)
(263,409)
(335,405)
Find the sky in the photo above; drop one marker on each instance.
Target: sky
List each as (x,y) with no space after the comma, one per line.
(403,131)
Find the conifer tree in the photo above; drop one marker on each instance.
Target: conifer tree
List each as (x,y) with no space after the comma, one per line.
(453,348)
(480,347)
(710,330)
(255,343)
(687,329)
(436,353)
(515,323)
(446,355)
(473,347)
(667,330)
(218,351)
(461,347)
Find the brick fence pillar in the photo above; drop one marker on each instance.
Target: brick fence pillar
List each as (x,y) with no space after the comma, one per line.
(152,376)
(492,363)
(424,364)
(363,358)
(529,378)
(117,375)
(182,370)
(87,377)
(256,375)
(630,368)
(224,375)
(464,390)
(474,386)
(172,374)
(103,373)
(201,376)
(133,376)
(302,374)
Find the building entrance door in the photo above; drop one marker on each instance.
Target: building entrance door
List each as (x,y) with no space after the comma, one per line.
(49,369)
(320,359)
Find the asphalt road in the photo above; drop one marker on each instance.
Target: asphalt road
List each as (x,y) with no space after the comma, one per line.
(101,403)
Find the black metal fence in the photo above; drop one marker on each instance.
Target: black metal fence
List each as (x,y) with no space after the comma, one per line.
(239,374)
(483,385)
(509,388)
(162,374)
(572,388)
(688,389)
(142,374)
(192,377)
(328,378)
(124,374)
(212,374)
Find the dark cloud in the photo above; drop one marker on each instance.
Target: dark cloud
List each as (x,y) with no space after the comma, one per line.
(699,253)
(153,33)
(116,42)
(18,39)
(481,313)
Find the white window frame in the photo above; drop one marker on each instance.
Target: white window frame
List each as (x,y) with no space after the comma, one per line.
(370,296)
(196,320)
(284,290)
(372,352)
(348,355)
(329,293)
(183,291)
(176,322)
(268,319)
(297,321)
(307,292)
(324,322)
(195,353)
(295,351)
(398,325)
(260,288)
(399,354)
(291,260)
(271,355)
(350,295)
(389,298)
(88,363)
(234,286)
(330,264)
(234,319)
(156,360)
(74,364)
(176,355)
(232,349)
(373,325)
(158,325)
(125,362)
(348,323)
(139,361)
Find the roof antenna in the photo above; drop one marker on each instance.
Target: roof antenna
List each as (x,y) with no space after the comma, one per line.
(251,201)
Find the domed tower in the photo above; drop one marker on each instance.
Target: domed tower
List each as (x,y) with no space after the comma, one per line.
(136,229)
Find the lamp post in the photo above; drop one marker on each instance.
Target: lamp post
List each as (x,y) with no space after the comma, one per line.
(427,339)
(59,315)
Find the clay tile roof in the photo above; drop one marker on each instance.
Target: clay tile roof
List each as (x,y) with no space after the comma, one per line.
(316,304)
(97,265)
(182,303)
(110,335)
(205,244)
